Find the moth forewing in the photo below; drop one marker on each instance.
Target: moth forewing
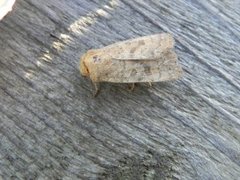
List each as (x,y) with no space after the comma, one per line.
(147,47)
(163,68)
(144,59)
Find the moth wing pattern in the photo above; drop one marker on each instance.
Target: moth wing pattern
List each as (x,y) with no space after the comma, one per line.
(148,47)
(163,68)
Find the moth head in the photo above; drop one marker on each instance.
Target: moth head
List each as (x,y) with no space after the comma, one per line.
(83,66)
(87,61)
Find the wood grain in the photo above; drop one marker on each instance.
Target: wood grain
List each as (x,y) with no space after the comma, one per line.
(51,127)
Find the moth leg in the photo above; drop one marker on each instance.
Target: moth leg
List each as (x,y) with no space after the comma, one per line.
(96,89)
(150,84)
(131,87)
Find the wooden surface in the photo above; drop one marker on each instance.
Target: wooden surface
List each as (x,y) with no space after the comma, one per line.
(51,127)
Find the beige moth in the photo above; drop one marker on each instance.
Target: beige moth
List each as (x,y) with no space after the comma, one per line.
(144,59)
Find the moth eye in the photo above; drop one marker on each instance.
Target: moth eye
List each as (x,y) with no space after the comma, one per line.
(96,59)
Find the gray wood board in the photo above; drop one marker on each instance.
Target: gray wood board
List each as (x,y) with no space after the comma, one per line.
(52,127)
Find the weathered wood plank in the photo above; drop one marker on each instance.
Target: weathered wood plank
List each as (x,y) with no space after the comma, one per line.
(51,127)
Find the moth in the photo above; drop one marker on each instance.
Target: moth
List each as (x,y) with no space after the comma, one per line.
(144,59)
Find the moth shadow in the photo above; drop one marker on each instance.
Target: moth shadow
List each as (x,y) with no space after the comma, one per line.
(121,89)
(139,89)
